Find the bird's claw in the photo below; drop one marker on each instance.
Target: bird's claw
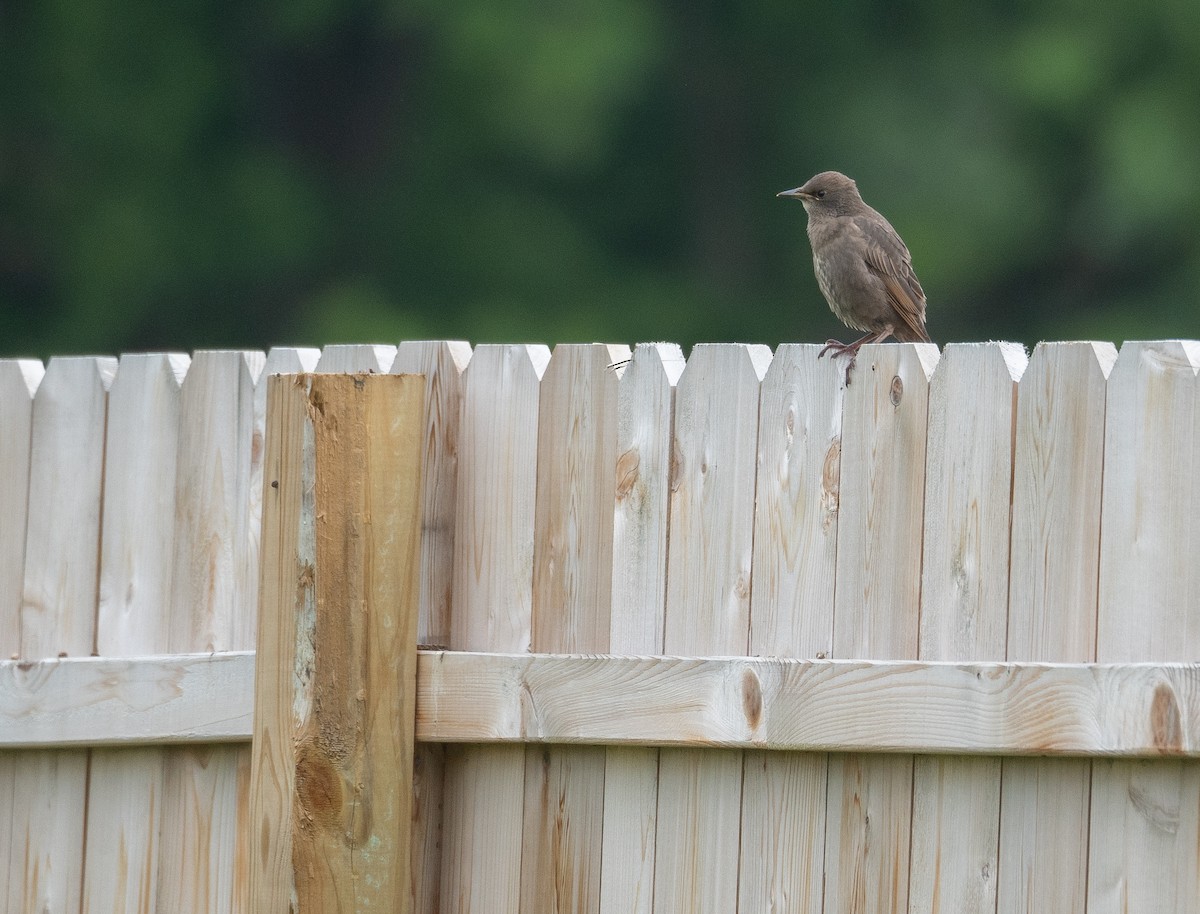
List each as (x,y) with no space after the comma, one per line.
(838,348)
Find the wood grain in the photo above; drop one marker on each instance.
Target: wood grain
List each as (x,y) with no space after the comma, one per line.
(1057,467)
(964,611)
(1145,831)
(336,712)
(237,761)
(214,598)
(876,608)
(442,363)
(639,581)
(875,706)
(708,611)
(137,541)
(42,848)
(19,380)
(572,595)
(795,549)
(492,604)
(1008,708)
(126,701)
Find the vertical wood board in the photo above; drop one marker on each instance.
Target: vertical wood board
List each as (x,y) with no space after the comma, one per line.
(876,608)
(708,612)
(795,551)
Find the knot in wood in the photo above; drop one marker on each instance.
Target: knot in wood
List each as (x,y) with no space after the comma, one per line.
(752,699)
(1165,725)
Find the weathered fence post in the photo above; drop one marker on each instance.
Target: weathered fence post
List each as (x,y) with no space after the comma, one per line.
(331,784)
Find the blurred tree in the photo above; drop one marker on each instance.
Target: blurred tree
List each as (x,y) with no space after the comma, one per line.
(210,174)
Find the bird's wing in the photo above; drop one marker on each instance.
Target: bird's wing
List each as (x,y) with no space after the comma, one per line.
(888,258)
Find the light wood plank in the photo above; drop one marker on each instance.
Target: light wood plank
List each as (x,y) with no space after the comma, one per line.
(795,548)
(968,497)
(43,846)
(964,611)
(218,497)
(128,701)
(213,500)
(1145,830)
(645,406)
(572,597)
(335,713)
(340,358)
(708,611)
(576,488)
(1058,462)
(492,605)
(139,497)
(62,543)
(796,521)
(877,706)
(873,706)
(442,363)
(493,551)
(137,542)
(19,380)
(200,867)
(876,608)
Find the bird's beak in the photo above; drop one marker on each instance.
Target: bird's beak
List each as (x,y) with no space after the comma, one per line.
(796,192)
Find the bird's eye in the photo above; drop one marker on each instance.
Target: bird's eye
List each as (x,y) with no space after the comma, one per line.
(820,194)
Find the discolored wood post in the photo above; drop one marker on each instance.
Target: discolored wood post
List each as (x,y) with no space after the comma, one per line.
(331,782)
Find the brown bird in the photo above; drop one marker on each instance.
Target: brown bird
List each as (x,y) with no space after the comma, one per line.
(863,267)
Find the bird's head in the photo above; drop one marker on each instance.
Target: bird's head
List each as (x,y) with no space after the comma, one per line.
(829,192)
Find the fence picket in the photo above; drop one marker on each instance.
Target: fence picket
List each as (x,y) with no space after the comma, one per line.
(795,550)
(639,582)
(708,611)
(964,612)
(44,856)
(213,608)
(876,605)
(1145,830)
(572,599)
(492,610)
(1057,466)
(19,380)
(137,543)
(442,363)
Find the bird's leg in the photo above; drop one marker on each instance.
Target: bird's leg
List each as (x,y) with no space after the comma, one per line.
(838,348)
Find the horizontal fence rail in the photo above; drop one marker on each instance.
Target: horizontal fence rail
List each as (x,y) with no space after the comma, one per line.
(1131,710)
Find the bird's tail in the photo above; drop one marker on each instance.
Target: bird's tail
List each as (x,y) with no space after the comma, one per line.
(906,334)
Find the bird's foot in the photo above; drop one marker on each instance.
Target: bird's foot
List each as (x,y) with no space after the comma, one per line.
(838,348)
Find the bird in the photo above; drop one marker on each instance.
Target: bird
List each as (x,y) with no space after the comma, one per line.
(863,267)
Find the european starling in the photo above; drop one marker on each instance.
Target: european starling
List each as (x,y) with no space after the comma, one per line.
(863,267)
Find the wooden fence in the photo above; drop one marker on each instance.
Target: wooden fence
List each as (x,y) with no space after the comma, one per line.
(723,637)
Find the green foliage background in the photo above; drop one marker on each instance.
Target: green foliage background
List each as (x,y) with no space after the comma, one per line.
(203,174)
